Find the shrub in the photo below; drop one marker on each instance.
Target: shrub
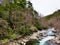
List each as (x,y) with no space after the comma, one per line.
(38,25)
(25,31)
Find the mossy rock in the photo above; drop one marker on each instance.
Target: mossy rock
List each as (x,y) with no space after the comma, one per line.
(32,42)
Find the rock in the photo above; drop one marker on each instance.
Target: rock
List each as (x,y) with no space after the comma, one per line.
(13,43)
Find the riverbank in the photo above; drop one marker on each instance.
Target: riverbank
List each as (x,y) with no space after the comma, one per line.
(21,40)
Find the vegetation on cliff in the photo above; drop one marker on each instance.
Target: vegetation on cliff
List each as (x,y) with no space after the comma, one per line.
(17,17)
(55,14)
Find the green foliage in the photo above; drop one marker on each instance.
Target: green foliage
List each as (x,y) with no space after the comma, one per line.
(21,4)
(3,28)
(55,14)
(4,14)
(38,25)
(30,5)
(16,19)
(25,31)
(4,41)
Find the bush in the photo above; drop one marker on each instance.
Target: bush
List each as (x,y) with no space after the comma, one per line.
(38,25)
(25,31)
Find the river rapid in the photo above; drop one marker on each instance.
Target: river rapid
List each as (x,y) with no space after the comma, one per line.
(46,40)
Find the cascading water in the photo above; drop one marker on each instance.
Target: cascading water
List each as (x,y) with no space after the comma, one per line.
(43,41)
(50,35)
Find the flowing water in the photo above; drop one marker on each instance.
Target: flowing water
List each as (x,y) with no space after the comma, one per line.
(45,40)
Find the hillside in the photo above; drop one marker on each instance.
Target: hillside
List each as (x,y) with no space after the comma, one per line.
(55,14)
(17,18)
(53,20)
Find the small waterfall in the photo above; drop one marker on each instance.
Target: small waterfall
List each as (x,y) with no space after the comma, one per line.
(50,35)
(42,42)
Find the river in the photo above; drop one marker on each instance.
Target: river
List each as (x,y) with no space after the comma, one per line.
(46,40)
(43,41)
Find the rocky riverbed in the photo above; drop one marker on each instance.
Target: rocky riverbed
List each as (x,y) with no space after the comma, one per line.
(37,35)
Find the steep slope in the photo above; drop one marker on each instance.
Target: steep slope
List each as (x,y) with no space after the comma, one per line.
(17,19)
(55,14)
(54,20)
